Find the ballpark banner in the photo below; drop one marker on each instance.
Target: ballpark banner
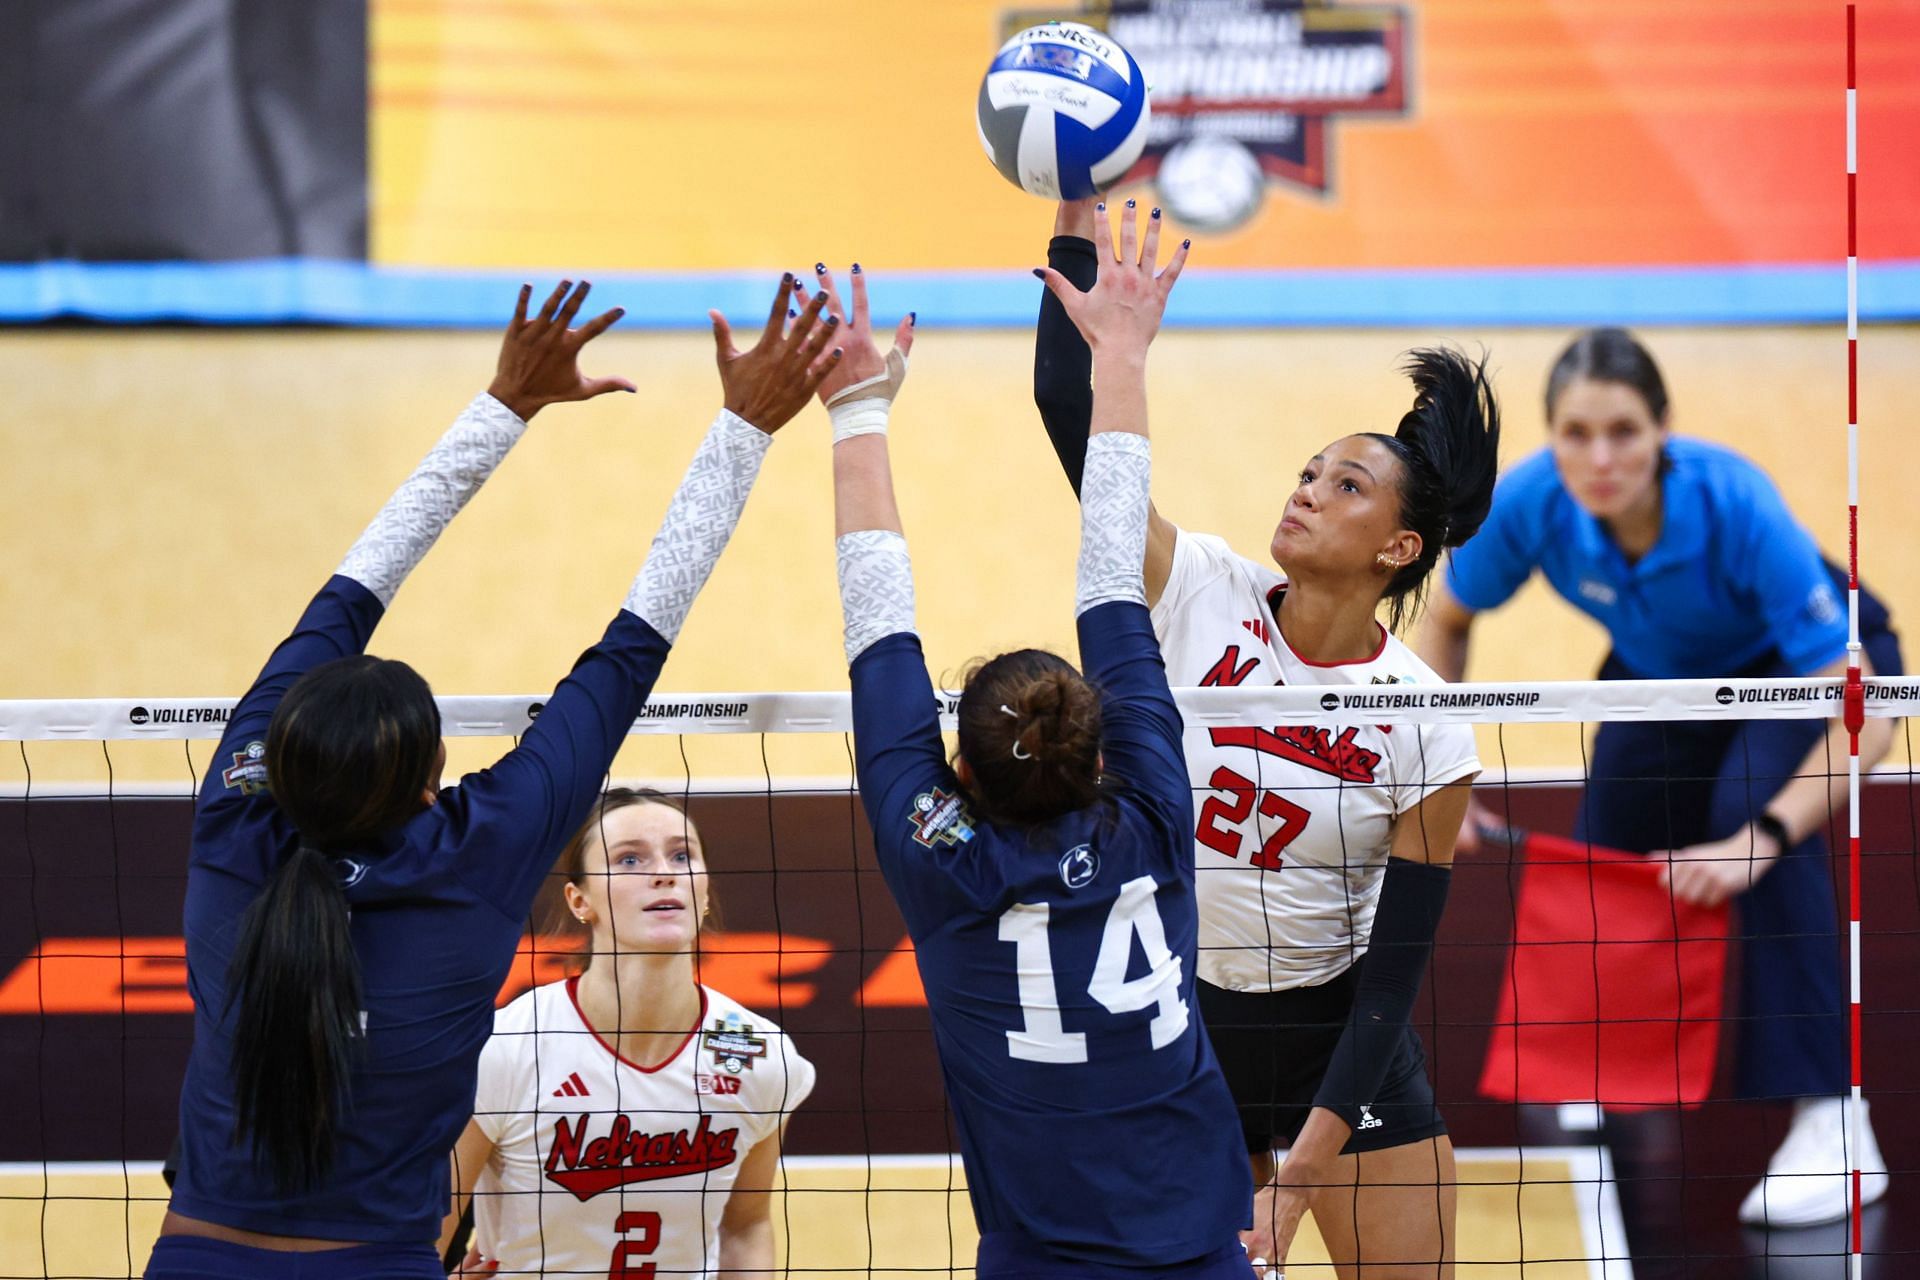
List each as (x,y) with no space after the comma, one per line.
(1337,161)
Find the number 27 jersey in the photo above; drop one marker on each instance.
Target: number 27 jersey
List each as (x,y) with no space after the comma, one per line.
(1293,823)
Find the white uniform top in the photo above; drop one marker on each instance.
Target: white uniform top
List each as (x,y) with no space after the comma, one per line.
(1293,823)
(600,1166)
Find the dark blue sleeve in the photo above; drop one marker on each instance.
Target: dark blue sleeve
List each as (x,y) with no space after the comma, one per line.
(1140,730)
(508,823)
(911,796)
(337,624)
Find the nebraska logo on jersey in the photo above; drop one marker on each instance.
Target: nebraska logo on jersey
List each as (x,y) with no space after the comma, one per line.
(624,1156)
(1317,749)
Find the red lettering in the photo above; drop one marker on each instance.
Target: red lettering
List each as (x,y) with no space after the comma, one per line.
(1219,817)
(648,1225)
(1232,804)
(1317,749)
(1225,672)
(566,1144)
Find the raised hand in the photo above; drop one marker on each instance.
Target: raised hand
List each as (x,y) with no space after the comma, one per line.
(863,360)
(767,385)
(1121,313)
(540,358)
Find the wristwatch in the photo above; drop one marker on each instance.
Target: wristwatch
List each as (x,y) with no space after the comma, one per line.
(1767,824)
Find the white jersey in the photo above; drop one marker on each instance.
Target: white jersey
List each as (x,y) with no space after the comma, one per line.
(603,1167)
(1293,823)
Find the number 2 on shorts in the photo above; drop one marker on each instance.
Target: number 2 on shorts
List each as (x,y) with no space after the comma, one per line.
(1043,1038)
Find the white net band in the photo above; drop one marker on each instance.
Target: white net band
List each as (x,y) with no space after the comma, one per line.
(1544,702)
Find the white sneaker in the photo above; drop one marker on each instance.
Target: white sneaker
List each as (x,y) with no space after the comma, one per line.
(1806,1182)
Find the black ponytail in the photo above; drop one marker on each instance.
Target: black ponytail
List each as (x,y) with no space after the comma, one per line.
(299,1014)
(351,749)
(1448,446)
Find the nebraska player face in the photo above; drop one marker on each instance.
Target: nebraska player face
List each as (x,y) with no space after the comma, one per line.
(1606,446)
(1344,514)
(644,881)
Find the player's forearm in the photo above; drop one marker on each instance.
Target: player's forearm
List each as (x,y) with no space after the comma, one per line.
(428,500)
(699,522)
(1062,363)
(863,486)
(1113,521)
(746,1250)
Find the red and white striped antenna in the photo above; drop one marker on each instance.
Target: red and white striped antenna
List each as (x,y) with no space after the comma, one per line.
(1854,702)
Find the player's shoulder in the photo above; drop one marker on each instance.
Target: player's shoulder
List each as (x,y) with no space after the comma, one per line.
(1399,661)
(1203,563)
(733,1036)
(536,1009)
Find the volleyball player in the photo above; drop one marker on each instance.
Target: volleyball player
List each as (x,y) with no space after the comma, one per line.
(1044,877)
(1686,554)
(1324,854)
(629,1116)
(348,922)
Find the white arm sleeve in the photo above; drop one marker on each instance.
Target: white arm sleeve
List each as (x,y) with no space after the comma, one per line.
(876,587)
(1113,521)
(428,500)
(698,523)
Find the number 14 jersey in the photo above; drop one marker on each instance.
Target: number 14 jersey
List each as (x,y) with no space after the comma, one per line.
(1293,823)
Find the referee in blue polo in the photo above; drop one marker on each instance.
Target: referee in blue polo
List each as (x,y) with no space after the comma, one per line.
(1686,553)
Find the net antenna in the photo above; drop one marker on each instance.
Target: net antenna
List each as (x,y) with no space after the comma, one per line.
(1853,701)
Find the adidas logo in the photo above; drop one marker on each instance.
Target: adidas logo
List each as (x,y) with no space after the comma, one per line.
(1368,1120)
(572,1087)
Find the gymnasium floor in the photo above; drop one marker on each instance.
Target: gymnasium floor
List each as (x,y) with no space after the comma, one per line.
(888,1218)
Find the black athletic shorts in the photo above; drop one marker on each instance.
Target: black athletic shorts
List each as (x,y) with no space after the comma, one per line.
(1274,1047)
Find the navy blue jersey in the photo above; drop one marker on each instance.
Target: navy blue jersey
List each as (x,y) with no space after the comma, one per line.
(1059,964)
(438,908)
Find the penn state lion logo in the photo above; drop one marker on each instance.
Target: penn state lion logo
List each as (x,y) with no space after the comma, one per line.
(1078,866)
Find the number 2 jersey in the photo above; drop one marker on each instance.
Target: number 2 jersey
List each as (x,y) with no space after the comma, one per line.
(1293,823)
(596,1159)
(1058,967)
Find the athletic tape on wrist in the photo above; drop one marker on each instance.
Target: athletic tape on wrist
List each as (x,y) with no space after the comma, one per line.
(863,408)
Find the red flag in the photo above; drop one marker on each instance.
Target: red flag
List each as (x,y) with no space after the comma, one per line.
(1613,991)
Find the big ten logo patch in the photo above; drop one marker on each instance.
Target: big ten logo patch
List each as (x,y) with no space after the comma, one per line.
(716,1086)
(1246,92)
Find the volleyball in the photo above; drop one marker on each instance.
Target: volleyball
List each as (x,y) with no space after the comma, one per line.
(1063,111)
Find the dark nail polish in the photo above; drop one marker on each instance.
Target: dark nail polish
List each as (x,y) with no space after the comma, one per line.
(856,268)
(832,321)
(837,353)
(819,268)
(787,278)
(820,296)
(1101,207)
(913,318)
(791,313)
(1186,244)
(1129,202)
(1038,274)
(1156,213)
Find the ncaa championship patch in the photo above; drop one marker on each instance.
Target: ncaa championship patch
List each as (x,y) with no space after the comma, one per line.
(733,1045)
(939,817)
(248,770)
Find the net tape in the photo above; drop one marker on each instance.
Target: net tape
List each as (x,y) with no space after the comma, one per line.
(163,719)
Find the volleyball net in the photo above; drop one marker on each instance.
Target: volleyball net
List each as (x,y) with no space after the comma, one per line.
(1584,1027)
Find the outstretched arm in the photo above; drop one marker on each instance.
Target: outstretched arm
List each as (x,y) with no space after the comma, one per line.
(1119,317)
(537,796)
(538,366)
(1064,357)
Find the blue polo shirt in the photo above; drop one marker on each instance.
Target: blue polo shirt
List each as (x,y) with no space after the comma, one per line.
(1733,576)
